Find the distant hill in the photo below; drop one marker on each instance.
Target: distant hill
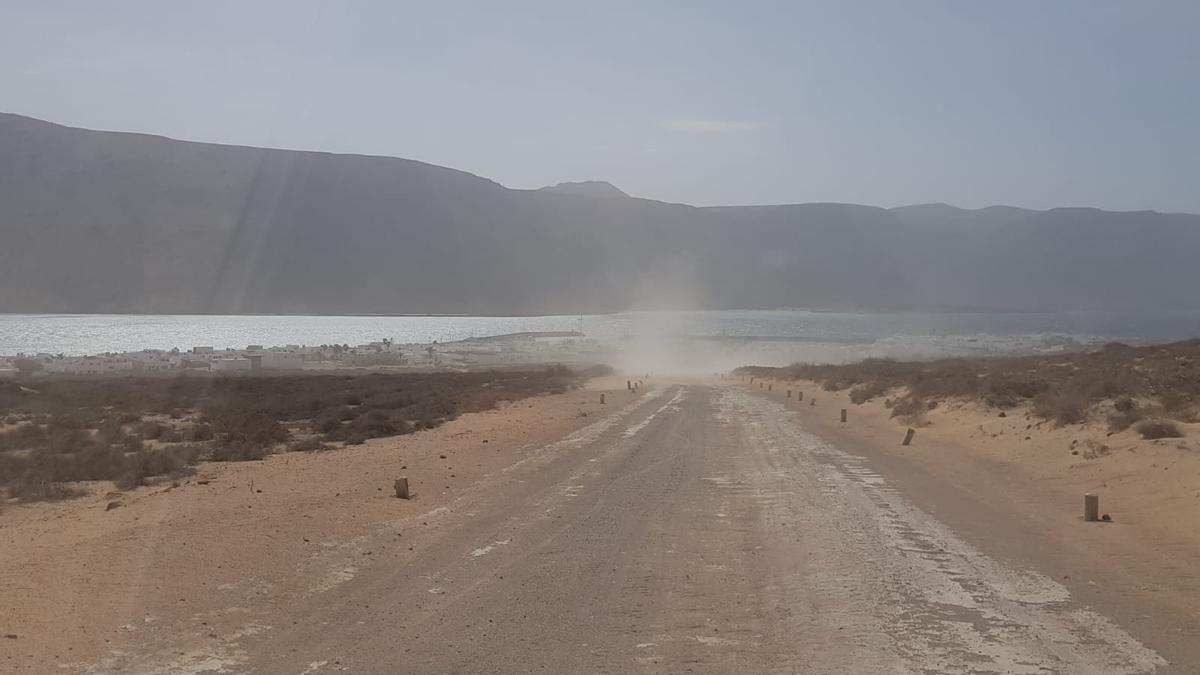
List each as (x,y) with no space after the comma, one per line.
(96,221)
(587,188)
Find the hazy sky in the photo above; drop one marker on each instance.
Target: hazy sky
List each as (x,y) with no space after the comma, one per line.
(1035,103)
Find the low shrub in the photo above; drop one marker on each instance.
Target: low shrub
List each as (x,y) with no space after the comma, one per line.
(1062,407)
(170,460)
(38,486)
(1063,386)
(200,433)
(23,437)
(242,434)
(309,445)
(151,430)
(238,452)
(1155,429)
(908,406)
(865,392)
(1125,414)
(86,428)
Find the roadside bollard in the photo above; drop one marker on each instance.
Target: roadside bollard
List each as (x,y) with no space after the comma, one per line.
(629,385)
(402,488)
(601,399)
(1091,507)
(908,436)
(799,396)
(843,415)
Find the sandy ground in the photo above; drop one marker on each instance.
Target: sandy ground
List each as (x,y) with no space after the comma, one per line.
(218,556)
(1019,482)
(698,526)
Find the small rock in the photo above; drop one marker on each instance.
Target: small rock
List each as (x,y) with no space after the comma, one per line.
(1106,518)
(114,505)
(10,636)
(442,456)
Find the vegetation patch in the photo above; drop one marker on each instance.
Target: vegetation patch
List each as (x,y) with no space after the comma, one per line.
(1155,429)
(1130,383)
(61,430)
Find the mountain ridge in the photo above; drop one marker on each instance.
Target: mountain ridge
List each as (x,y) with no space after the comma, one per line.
(98,221)
(587,188)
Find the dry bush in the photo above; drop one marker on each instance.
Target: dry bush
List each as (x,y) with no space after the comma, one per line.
(1159,428)
(1064,407)
(308,445)
(91,428)
(1178,405)
(200,433)
(151,430)
(908,406)
(38,486)
(241,434)
(1062,387)
(238,452)
(865,392)
(1126,412)
(1096,450)
(24,436)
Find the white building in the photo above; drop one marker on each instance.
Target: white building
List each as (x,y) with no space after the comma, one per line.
(230,365)
(282,361)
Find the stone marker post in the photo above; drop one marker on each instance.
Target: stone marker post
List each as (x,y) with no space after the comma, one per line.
(1091,507)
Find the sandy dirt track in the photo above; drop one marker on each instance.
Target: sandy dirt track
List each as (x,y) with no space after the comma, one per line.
(695,528)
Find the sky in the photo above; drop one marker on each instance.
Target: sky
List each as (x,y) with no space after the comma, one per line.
(1031,103)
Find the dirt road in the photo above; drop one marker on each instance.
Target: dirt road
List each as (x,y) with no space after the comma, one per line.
(693,529)
(698,529)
